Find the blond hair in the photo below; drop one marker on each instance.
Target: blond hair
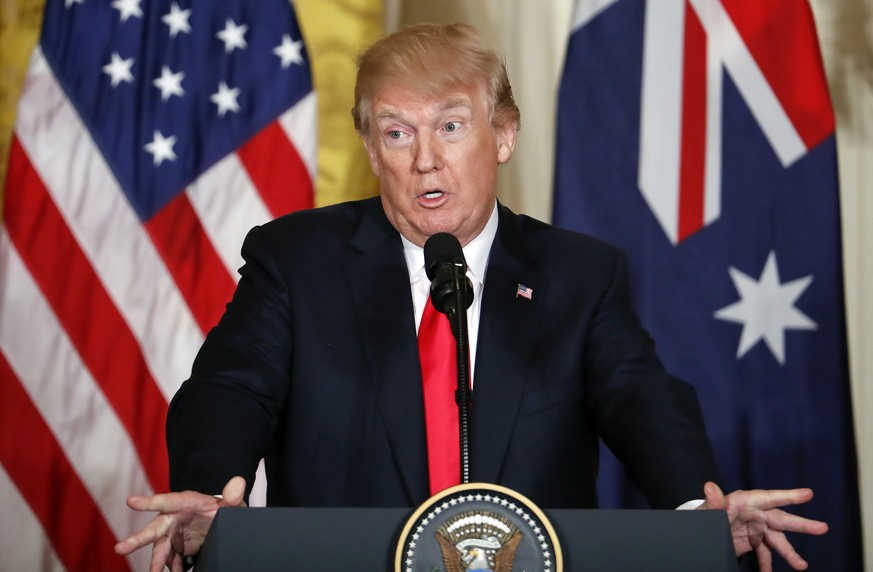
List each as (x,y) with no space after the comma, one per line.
(436,58)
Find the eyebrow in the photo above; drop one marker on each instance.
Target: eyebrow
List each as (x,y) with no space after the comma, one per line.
(453,103)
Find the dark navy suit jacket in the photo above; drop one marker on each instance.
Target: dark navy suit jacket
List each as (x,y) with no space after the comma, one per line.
(314,367)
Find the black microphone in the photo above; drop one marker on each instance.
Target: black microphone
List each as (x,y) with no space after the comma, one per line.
(446,269)
(451,292)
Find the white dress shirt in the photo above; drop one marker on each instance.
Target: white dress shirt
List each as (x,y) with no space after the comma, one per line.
(476,253)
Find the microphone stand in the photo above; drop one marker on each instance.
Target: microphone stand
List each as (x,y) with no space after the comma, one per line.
(452,293)
(458,320)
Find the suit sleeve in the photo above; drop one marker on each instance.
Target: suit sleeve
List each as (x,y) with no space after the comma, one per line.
(649,419)
(221,420)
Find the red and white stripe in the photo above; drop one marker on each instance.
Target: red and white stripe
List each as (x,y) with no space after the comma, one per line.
(101,316)
(688,44)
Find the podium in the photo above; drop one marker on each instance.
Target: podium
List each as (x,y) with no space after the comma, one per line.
(364,539)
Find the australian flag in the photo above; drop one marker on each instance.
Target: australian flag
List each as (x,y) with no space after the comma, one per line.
(698,135)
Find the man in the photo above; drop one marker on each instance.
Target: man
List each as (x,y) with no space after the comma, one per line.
(314,366)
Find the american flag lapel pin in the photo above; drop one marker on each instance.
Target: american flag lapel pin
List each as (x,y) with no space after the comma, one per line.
(524,292)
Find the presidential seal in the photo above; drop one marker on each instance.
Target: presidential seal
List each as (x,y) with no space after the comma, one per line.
(478,527)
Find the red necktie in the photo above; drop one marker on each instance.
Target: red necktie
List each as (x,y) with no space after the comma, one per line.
(439,375)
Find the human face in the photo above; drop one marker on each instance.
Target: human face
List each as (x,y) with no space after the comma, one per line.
(436,156)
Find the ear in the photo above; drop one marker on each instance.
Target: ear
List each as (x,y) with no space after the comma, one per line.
(505,135)
(370,146)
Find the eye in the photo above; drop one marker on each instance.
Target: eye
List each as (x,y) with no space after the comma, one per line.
(395,134)
(452,126)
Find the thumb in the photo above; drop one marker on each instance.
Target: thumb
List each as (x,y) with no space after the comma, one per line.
(714,497)
(234,492)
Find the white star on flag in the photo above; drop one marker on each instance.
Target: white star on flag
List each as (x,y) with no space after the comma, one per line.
(766,309)
(233,36)
(128,8)
(119,69)
(161,148)
(225,99)
(169,83)
(177,20)
(68,3)
(289,51)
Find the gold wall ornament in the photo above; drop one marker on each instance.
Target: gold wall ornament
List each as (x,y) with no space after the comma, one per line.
(336,31)
(20,23)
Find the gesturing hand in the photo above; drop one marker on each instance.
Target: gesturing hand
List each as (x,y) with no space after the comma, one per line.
(757,522)
(180,528)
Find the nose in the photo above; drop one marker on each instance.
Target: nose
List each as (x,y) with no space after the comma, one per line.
(428,152)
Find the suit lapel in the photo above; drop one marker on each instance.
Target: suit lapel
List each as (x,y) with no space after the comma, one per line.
(508,330)
(379,283)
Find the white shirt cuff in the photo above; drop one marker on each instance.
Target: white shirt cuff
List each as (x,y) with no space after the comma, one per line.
(690,505)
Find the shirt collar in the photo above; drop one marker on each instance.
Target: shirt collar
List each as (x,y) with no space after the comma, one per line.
(476,252)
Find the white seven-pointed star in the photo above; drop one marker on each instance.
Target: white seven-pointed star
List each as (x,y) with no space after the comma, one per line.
(289,51)
(177,20)
(162,148)
(128,8)
(169,83)
(119,69)
(233,36)
(766,309)
(225,99)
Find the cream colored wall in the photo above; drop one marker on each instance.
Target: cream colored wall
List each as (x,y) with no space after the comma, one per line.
(846,35)
(532,34)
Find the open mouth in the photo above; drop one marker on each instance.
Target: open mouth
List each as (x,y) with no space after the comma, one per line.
(433,194)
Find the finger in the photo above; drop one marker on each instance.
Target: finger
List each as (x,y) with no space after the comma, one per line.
(160,555)
(768,499)
(164,502)
(785,521)
(713,497)
(779,542)
(234,492)
(134,500)
(177,565)
(150,533)
(125,547)
(765,558)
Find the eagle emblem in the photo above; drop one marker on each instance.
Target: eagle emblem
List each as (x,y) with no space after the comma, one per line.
(478,541)
(478,527)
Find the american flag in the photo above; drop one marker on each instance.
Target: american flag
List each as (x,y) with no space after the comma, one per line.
(150,138)
(699,136)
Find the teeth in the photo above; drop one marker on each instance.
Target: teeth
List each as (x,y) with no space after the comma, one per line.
(433,194)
